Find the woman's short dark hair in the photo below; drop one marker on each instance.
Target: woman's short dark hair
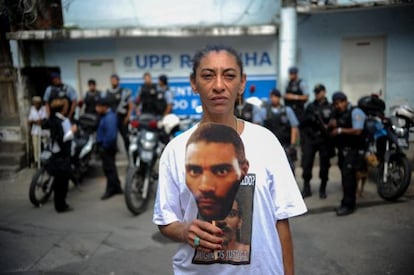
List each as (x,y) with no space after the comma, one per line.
(200,54)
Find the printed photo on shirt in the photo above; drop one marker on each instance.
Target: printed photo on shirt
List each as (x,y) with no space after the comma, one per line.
(215,165)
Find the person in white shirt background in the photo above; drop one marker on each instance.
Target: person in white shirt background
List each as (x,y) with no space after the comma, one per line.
(36,115)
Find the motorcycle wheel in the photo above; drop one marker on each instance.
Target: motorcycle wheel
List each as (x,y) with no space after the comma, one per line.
(398,180)
(135,200)
(41,187)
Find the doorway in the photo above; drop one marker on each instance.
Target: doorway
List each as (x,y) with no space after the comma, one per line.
(363,67)
(98,69)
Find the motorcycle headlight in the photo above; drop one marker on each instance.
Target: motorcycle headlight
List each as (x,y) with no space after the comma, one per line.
(399,131)
(148,144)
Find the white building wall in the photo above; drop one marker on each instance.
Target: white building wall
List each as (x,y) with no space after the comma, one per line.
(320,40)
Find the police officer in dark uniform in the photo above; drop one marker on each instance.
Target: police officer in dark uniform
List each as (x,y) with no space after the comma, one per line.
(58,89)
(296,93)
(61,133)
(106,136)
(347,127)
(92,96)
(315,129)
(243,109)
(296,96)
(120,101)
(151,100)
(282,122)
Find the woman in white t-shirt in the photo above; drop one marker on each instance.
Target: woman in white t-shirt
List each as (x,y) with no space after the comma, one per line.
(36,115)
(269,193)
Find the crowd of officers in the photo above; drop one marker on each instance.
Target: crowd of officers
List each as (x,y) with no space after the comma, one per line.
(323,127)
(113,109)
(318,127)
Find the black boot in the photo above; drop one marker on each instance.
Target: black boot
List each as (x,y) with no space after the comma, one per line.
(306,192)
(322,190)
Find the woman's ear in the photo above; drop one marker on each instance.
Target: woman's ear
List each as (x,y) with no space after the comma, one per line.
(193,84)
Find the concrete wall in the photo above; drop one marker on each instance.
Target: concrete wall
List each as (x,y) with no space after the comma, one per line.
(320,39)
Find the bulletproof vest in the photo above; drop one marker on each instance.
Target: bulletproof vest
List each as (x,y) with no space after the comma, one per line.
(278,124)
(90,101)
(114,98)
(244,111)
(60,91)
(344,120)
(152,101)
(321,113)
(294,88)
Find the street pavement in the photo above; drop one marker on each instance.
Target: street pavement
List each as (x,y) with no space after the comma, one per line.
(102,237)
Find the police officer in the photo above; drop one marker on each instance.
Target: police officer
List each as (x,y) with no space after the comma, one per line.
(120,101)
(61,133)
(347,126)
(243,109)
(150,99)
(296,93)
(60,90)
(315,129)
(246,110)
(282,122)
(106,135)
(164,95)
(91,97)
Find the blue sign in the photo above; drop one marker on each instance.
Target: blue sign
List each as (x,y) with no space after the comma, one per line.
(186,101)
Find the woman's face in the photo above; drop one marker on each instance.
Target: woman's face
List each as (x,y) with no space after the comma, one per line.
(219,81)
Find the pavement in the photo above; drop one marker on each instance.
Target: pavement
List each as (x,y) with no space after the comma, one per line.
(102,237)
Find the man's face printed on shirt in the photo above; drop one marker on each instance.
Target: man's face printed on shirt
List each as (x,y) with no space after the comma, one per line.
(213,175)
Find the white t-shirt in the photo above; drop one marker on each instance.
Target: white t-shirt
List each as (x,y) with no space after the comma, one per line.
(35,115)
(275,195)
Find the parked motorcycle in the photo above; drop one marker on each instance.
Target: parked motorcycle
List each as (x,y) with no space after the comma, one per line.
(387,138)
(148,137)
(82,149)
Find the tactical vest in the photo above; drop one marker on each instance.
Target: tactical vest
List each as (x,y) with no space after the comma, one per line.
(152,101)
(90,101)
(244,111)
(297,105)
(114,98)
(321,114)
(278,124)
(344,120)
(60,92)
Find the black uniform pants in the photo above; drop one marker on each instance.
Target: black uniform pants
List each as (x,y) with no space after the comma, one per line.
(348,162)
(310,148)
(123,130)
(60,189)
(113,183)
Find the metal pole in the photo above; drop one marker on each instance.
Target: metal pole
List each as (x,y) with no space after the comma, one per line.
(287,41)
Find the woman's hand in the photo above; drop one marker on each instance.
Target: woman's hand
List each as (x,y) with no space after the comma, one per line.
(209,236)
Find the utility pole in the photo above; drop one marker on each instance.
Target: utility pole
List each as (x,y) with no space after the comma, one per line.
(287,41)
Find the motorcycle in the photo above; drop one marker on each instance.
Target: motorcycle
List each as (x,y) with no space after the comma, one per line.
(148,137)
(82,148)
(387,138)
